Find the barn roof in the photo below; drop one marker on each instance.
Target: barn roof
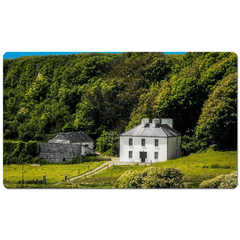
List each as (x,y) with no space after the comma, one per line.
(162,130)
(73,137)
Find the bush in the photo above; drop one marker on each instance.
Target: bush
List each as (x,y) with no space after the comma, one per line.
(113,151)
(152,178)
(130,179)
(216,166)
(221,181)
(34,181)
(87,158)
(163,178)
(38,160)
(193,181)
(14,151)
(230,181)
(108,141)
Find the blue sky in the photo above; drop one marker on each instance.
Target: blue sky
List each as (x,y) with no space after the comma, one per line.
(9,55)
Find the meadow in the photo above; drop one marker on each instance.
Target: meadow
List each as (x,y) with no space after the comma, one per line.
(54,173)
(196,168)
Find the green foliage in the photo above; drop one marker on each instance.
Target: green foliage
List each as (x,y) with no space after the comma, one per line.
(152,178)
(97,92)
(34,181)
(130,179)
(187,91)
(14,151)
(113,151)
(108,141)
(217,125)
(83,159)
(221,181)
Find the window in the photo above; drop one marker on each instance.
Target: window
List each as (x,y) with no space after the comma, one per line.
(130,142)
(143,142)
(130,154)
(156,142)
(155,155)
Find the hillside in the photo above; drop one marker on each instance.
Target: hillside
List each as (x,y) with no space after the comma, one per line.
(106,94)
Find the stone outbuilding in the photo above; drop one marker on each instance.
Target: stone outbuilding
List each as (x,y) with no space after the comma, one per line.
(65,146)
(148,142)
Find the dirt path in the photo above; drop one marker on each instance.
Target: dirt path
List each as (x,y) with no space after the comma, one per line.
(96,170)
(114,161)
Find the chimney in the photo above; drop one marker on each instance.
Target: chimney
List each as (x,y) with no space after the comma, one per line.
(145,121)
(168,121)
(155,122)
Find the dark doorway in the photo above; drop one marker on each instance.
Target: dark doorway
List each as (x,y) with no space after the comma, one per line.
(143,156)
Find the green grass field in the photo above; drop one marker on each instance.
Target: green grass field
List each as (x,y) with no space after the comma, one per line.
(54,173)
(196,168)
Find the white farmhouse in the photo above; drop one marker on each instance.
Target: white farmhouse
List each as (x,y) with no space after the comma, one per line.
(150,142)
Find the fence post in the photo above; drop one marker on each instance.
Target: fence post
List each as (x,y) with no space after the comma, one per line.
(22,172)
(65,178)
(78,171)
(44,179)
(88,167)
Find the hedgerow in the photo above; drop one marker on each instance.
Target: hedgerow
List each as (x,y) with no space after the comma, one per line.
(14,151)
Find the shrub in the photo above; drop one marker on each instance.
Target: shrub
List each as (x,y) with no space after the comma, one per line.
(230,181)
(130,179)
(34,181)
(221,181)
(87,158)
(152,178)
(15,150)
(108,140)
(193,181)
(32,148)
(163,178)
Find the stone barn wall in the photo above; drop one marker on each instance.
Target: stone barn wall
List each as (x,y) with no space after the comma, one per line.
(55,152)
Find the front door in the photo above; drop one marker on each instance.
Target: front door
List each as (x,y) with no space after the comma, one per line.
(143,156)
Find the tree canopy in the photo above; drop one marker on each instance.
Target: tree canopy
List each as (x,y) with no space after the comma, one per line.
(103,93)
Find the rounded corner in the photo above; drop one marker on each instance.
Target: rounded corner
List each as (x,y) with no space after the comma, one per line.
(4,185)
(4,54)
(235,54)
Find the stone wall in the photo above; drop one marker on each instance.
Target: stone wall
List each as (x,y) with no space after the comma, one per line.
(55,152)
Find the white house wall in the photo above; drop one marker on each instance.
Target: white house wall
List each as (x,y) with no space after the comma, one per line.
(174,144)
(136,148)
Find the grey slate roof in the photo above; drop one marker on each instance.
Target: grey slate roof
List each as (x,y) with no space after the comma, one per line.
(162,130)
(73,137)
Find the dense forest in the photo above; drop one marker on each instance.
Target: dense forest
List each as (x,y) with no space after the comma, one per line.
(105,94)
